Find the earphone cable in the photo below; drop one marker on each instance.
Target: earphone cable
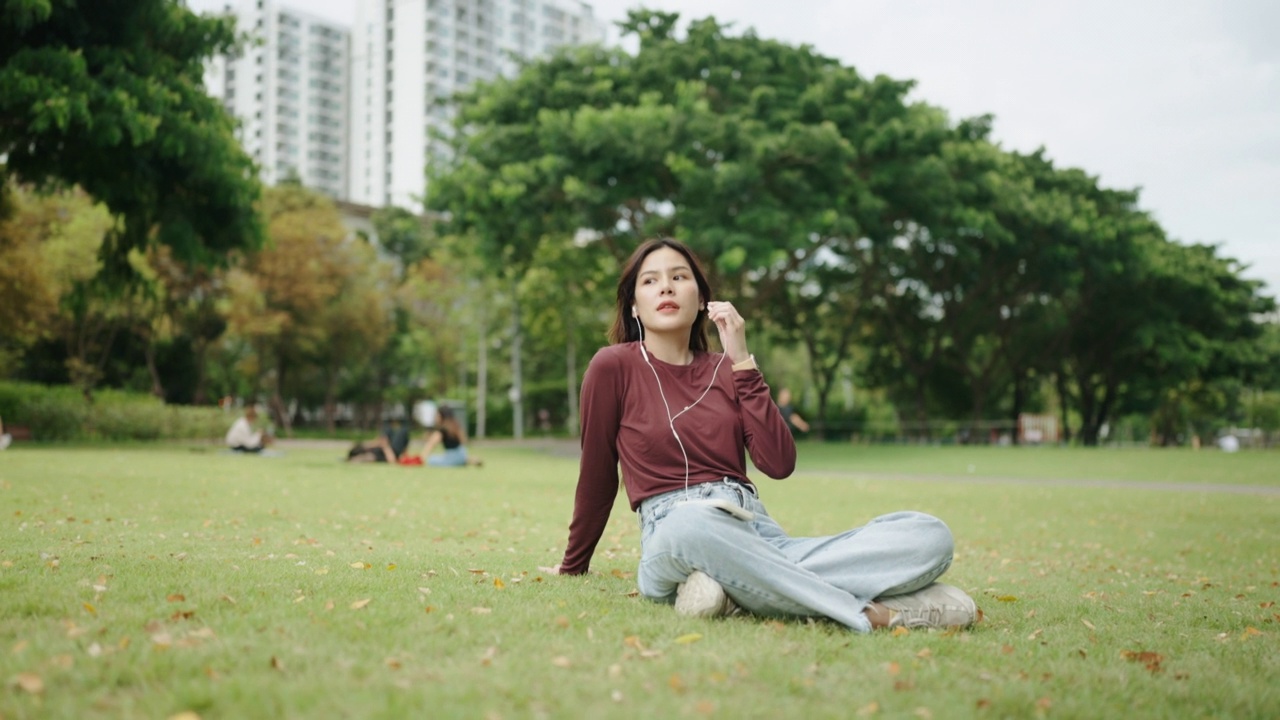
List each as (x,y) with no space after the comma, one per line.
(671,420)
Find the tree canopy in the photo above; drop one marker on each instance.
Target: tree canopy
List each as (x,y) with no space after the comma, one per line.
(109,96)
(843,215)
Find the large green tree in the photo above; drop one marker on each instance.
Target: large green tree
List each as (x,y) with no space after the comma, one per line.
(760,155)
(108,95)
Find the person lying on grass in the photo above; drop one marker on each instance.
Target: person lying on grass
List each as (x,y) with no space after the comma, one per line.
(679,418)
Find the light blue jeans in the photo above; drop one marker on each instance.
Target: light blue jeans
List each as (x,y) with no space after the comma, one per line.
(766,572)
(456,457)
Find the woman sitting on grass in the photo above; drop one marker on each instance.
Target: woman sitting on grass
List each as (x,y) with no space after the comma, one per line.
(243,438)
(450,435)
(678,419)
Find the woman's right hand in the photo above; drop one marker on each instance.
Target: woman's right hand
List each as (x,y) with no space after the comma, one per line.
(553,570)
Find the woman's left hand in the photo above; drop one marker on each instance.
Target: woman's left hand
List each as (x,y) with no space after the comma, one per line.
(732,328)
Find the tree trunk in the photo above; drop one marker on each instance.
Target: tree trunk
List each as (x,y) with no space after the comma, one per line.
(198,395)
(571,372)
(149,353)
(482,374)
(1064,404)
(517,376)
(330,400)
(1019,382)
(278,408)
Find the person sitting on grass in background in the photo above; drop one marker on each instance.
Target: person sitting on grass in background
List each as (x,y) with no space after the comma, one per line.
(242,437)
(450,435)
(795,423)
(386,448)
(678,419)
(5,438)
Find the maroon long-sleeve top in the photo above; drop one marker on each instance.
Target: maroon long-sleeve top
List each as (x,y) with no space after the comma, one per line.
(624,422)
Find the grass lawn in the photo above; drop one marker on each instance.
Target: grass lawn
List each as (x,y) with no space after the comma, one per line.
(162,581)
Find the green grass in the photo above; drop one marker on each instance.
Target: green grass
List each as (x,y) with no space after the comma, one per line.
(152,581)
(1179,465)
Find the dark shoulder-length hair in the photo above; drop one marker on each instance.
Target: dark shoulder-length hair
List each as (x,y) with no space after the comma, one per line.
(625,328)
(450,423)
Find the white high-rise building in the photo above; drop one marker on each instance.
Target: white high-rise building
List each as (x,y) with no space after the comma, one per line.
(290,92)
(408,54)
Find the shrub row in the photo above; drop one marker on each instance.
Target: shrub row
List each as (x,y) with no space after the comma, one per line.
(63,413)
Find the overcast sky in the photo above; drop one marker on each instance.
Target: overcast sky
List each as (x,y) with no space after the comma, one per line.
(1180,98)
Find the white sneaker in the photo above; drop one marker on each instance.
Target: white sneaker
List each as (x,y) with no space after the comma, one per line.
(700,596)
(936,606)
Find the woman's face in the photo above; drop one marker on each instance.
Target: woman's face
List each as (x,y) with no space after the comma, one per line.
(667,291)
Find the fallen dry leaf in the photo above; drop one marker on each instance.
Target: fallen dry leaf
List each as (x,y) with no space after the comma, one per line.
(497,583)
(277,664)
(688,638)
(359,604)
(176,597)
(900,631)
(561,661)
(869,709)
(1088,624)
(185,715)
(1151,660)
(29,682)
(361,565)
(481,611)
(1007,598)
(92,610)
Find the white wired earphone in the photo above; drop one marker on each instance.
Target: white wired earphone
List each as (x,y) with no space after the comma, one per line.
(671,419)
